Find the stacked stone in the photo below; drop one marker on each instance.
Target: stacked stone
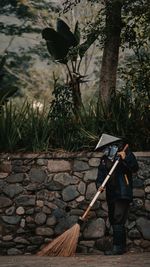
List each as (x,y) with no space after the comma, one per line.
(139,216)
(43,195)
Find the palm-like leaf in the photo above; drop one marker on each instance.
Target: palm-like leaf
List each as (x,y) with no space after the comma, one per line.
(64,30)
(56,44)
(88,42)
(59,42)
(77,32)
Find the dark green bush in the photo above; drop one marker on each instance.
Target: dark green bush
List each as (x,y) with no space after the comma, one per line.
(29,129)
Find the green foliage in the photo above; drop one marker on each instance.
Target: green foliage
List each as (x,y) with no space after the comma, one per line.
(18,76)
(36,130)
(21,8)
(17,30)
(30,129)
(5,91)
(63,128)
(64,134)
(11,123)
(62,105)
(25,128)
(124,117)
(92,33)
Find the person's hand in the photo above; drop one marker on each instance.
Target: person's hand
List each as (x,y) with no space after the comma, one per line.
(122,154)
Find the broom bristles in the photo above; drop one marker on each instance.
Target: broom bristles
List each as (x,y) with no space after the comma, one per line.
(64,245)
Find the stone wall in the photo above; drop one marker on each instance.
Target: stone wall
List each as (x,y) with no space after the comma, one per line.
(43,195)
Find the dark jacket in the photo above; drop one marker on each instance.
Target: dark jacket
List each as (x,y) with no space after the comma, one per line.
(119,185)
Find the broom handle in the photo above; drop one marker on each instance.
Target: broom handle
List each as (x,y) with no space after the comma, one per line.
(101,188)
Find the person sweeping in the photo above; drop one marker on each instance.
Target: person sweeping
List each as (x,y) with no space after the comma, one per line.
(66,243)
(118,188)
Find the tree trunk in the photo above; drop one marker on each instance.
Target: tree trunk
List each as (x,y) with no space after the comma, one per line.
(77,99)
(76,93)
(111,51)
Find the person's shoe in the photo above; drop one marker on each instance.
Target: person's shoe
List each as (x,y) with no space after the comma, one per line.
(119,241)
(117,250)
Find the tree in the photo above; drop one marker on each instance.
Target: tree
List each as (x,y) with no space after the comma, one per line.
(122,21)
(108,71)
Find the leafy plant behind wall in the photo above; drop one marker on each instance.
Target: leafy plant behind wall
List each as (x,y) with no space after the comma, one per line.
(64,47)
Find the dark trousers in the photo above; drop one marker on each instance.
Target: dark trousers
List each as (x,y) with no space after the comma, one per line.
(118,211)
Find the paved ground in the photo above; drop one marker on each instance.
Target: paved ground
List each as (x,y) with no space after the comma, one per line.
(127,260)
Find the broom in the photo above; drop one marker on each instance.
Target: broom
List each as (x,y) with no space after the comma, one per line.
(65,245)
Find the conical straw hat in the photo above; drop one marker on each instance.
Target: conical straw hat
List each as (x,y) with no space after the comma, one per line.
(106,139)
